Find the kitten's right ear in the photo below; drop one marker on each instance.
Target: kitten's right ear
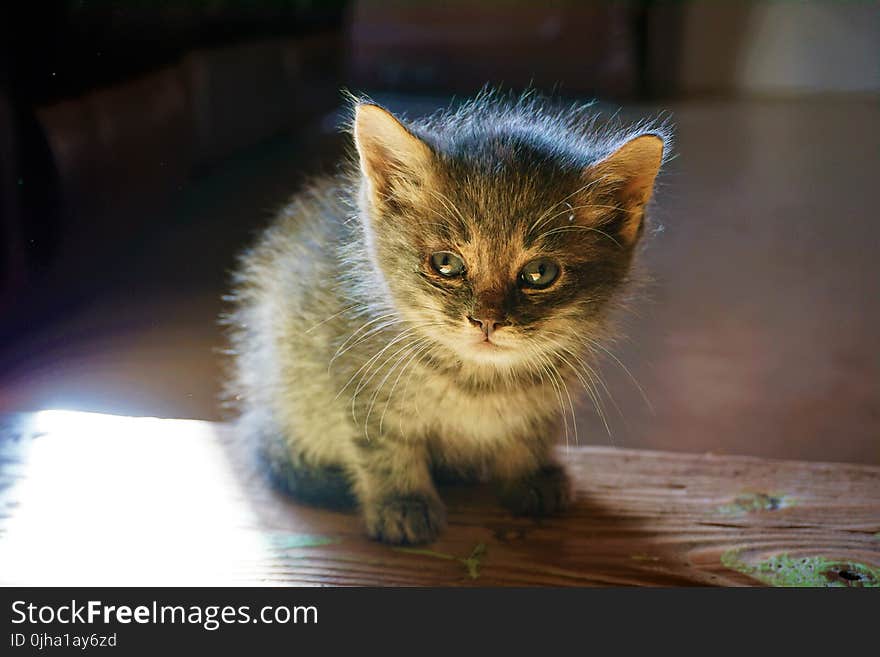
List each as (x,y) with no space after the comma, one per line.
(391,157)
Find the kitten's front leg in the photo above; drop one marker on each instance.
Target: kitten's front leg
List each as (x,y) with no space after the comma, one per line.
(531,483)
(397,495)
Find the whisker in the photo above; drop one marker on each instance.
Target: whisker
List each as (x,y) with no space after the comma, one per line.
(407,351)
(545,366)
(406,387)
(565,229)
(369,375)
(570,404)
(540,219)
(400,336)
(335,315)
(420,347)
(591,392)
(342,348)
(450,206)
(592,377)
(372,370)
(625,369)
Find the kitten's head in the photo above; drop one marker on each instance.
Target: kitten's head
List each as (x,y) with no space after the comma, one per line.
(504,231)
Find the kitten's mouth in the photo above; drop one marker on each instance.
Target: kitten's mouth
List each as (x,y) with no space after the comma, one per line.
(486,344)
(501,352)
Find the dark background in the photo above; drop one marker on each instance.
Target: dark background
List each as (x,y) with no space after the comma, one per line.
(143,144)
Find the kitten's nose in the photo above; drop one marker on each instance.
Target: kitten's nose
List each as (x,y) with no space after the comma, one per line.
(488,325)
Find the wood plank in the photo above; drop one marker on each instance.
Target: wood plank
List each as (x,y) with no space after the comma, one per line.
(91,499)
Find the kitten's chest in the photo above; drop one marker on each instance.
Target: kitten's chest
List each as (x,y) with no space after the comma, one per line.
(459,416)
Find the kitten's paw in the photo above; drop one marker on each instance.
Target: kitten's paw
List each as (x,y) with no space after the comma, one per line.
(405,519)
(542,493)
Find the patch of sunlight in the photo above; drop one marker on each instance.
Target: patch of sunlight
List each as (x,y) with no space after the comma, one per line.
(112,500)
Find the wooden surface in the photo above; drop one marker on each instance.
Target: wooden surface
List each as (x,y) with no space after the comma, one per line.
(104,500)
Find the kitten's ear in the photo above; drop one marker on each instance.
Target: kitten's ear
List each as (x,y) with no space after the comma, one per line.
(390,155)
(627,176)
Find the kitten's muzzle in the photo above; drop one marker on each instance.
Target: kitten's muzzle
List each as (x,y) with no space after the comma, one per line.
(487,325)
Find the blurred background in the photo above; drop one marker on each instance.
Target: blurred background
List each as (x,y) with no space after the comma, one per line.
(142,145)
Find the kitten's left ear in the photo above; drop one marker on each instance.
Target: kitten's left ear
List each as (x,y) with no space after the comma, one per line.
(391,157)
(627,175)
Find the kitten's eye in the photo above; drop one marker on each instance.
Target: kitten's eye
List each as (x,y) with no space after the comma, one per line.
(539,273)
(447,264)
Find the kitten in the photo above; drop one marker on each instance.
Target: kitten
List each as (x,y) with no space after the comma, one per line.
(424,310)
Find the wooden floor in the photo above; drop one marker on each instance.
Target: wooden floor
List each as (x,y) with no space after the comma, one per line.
(90,499)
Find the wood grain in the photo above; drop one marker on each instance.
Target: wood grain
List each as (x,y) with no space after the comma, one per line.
(89,499)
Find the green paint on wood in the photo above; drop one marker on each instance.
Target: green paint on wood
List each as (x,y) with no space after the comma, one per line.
(751,502)
(426,553)
(644,557)
(783,570)
(290,541)
(471,563)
